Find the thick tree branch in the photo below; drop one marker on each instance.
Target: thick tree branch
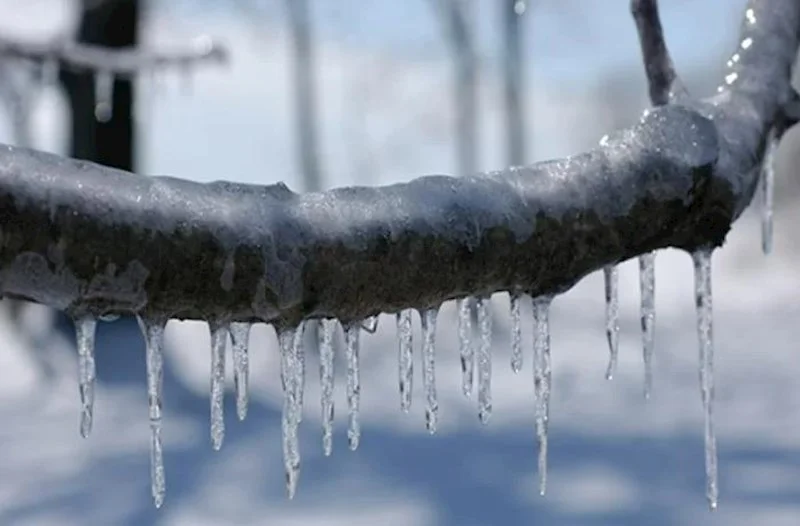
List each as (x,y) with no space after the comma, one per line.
(85,238)
(119,62)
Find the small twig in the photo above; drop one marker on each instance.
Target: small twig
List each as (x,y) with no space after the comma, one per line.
(119,62)
(665,86)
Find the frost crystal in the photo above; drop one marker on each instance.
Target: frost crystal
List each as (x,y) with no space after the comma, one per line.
(351,341)
(84,336)
(516,332)
(326,382)
(703,301)
(405,361)
(240,340)
(767,193)
(429,367)
(153,331)
(647,285)
(611,275)
(484,359)
(542,377)
(219,338)
(465,345)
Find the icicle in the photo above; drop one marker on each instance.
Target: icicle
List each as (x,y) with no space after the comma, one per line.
(84,335)
(428,317)
(104,96)
(767,193)
(219,338)
(611,275)
(290,341)
(647,285)
(370,324)
(542,377)
(703,301)
(405,352)
(326,382)
(153,331)
(484,360)
(301,369)
(240,341)
(351,334)
(465,345)
(516,333)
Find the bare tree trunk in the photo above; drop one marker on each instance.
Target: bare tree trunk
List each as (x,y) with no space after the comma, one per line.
(513,83)
(305,102)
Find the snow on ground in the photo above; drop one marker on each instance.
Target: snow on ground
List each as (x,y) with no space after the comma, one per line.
(614,458)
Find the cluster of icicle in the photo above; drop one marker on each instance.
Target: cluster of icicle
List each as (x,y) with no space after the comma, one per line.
(293,364)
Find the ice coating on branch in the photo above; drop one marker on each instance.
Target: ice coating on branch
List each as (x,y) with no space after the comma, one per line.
(767,193)
(516,332)
(104,95)
(351,342)
(153,332)
(542,376)
(219,338)
(484,359)
(703,302)
(465,345)
(291,344)
(370,324)
(647,286)
(405,362)
(240,343)
(85,327)
(611,275)
(428,318)
(326,382)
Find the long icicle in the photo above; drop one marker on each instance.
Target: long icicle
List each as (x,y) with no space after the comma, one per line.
(351,339)
(542,380)
(465,345)
(405,362)
(428,317)
(516,331)
(484,359)
(767,192)
(219,338)
(153,332)
(85,328)
(647,286)
(703,301)
(326,382)
(611,275)
(290,372)
(240,342)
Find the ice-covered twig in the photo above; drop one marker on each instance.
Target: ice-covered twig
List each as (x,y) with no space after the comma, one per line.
(68,54)
(102,241)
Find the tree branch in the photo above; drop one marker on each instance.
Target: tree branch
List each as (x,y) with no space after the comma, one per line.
(85,238)
(119,62)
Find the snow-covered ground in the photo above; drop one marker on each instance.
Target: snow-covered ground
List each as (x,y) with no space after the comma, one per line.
(614,458)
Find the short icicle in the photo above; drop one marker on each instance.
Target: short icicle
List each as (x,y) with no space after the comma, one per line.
(104,95)
(85,327)
(240,342)
(542,380)
(647,286)
(290,341)
(428,318)
(611,275)
(153,332)
(767,193)
(405,353)
(219,339)
(351,340)
(516,332)
(465,345)
(326,377)
(703,301)
(484,359)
